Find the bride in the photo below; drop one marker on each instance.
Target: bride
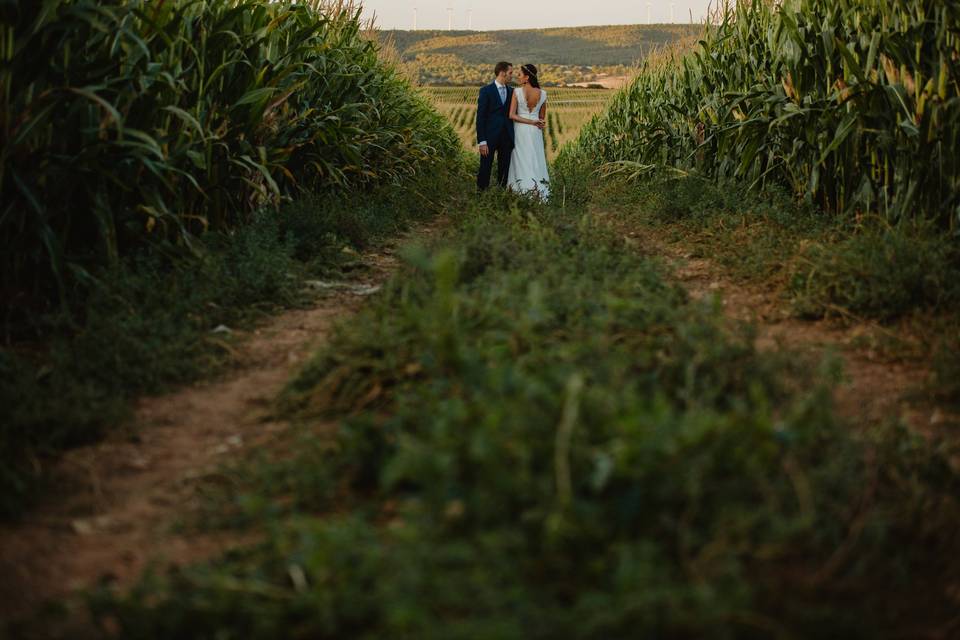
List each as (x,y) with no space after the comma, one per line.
(528,110)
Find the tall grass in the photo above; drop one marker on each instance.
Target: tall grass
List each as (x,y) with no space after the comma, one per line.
(130,121)
(148,325)
(147,149)
(853,105)
(540,437)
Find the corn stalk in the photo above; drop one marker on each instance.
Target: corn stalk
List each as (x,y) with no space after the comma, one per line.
(853,105)
(125,122)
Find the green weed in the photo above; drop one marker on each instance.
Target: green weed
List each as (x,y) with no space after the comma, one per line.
(852,106)
(147,324)
(879,271)
(144,122)
(946,368)
(540,437)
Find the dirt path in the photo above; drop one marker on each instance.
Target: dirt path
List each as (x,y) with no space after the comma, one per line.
(115,503)
(118,500)
(876,386)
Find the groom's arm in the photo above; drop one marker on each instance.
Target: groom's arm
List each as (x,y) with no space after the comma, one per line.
(482,120)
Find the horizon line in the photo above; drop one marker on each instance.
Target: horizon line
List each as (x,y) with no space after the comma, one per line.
(579,26)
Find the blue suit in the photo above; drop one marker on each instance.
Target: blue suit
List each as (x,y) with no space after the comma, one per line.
(496,129)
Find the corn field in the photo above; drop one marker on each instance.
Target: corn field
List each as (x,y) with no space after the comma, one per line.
(568,110)
(131,121)
(853,105)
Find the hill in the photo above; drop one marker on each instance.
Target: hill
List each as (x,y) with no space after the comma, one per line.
(565,55)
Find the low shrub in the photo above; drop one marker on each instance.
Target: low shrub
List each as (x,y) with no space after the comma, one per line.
(541,437)
(879,271)
(147,324)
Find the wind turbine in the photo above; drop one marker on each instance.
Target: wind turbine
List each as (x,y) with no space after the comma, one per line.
(449,18)
(414,18)
(649,12)
(470,19)
(673,6)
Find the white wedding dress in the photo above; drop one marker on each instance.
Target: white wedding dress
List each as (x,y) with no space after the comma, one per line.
(528,164)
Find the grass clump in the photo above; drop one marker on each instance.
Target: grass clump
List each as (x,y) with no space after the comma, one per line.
(805,94)
(149,122)
(148,324)
(541,437)
(807,97)
(151,184)
(828,266)
(755,236)
(879,271)
(946,369)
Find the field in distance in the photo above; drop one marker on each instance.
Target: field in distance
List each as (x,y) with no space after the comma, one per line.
(568,110)
(565,56)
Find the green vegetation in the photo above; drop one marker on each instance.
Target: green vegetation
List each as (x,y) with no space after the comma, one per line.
(531,431)
(151,323)
(563,55)
(880,271)
(608,45)
(830,266)
(450,70)
(540,437)
(150,122)
(851,108)
(157,180)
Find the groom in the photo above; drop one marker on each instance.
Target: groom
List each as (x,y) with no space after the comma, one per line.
(494,129)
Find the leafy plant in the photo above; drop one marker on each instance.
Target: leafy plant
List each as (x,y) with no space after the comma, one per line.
(133,122)
(147,324)
(542,438)
(852,105)
(879,271)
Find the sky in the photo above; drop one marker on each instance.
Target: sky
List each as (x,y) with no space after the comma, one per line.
(529,14)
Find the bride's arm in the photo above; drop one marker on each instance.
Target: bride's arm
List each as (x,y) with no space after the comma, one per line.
(513,112)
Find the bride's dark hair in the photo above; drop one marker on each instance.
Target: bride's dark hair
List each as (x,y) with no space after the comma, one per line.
(531,71)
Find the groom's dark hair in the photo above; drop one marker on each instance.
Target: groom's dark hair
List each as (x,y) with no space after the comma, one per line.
(501,67)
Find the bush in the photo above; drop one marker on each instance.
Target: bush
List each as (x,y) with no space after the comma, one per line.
(879,271)
(146,325)
(542,438)
(853,106)
(946,368)
(149,191)
(141,122)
